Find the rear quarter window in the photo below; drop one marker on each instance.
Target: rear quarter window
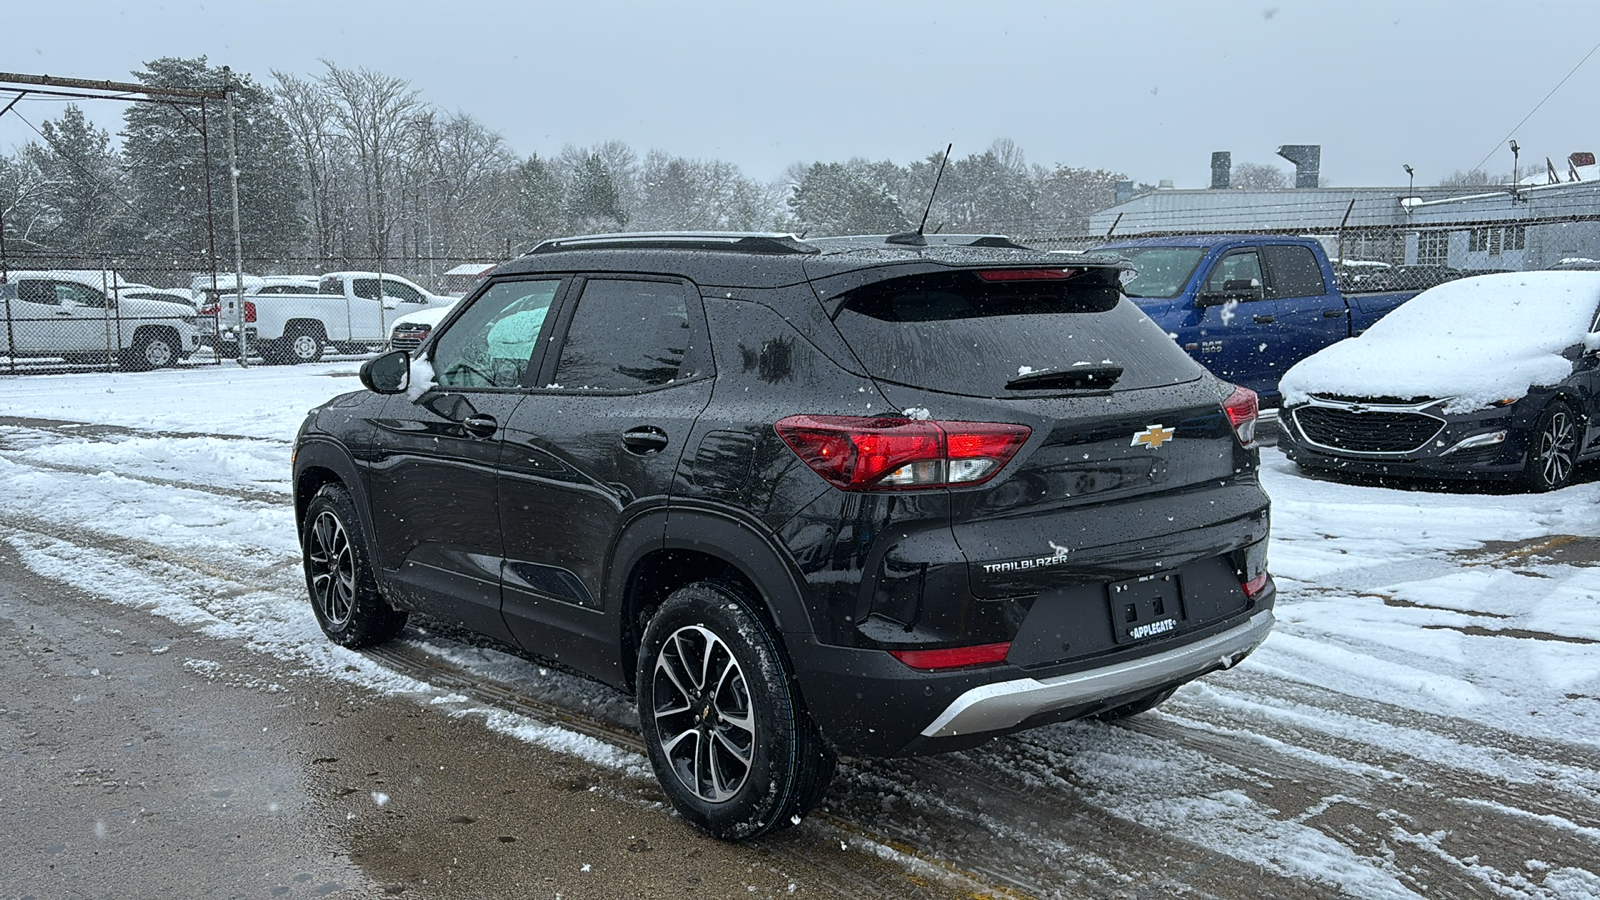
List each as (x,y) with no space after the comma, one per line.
(957,333)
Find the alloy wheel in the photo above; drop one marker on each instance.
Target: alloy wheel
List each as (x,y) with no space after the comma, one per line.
(158,353)
(304,347)
(1558,442)
(703,713)
(333,569)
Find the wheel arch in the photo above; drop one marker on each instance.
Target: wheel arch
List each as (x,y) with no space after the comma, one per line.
(320,462)
(311,324)
(662,551)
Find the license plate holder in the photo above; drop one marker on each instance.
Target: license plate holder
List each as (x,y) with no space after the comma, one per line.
(1146,608)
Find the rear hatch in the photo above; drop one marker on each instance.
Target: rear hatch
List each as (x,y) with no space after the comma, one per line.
(1132,477)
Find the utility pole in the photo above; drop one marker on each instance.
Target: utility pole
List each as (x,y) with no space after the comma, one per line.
(238,241)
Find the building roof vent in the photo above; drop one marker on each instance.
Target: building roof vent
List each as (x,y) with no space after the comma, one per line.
(1307,159)
(1221,169)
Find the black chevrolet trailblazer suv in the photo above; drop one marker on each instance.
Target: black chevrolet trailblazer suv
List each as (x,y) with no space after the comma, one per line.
(861,496)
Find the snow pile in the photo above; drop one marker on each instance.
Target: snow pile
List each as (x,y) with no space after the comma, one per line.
(1475,341)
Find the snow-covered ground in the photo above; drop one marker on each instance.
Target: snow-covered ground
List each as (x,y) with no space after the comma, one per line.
(1424,721)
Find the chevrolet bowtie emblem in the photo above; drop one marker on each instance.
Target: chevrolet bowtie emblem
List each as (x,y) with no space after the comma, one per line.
(1153,436)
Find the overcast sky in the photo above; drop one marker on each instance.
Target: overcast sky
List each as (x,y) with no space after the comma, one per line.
(1147,89)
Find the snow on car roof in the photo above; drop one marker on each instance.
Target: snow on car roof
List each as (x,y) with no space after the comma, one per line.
(1475,341)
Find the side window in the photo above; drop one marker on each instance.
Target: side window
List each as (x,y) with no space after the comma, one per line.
(1295,272)
(33,291)
(492,341)
(81,294)
(365,288)
(625,336)
(331,286)
(403,292)
(1239,266)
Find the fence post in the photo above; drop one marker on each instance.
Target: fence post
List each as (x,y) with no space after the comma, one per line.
(238,241)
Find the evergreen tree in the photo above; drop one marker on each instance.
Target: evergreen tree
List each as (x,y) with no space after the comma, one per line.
(838,198)
(540,202)
(78,202)
(593,202)
(166,163)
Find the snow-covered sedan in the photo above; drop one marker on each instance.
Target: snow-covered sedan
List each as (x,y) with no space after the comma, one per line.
(1488,377)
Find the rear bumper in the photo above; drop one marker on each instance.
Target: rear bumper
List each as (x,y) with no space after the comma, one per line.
(1007,704)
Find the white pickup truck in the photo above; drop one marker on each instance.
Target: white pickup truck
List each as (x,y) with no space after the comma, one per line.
(349,311)
(79,315)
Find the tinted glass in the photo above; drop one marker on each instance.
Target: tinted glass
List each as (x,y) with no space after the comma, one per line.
(401,291)
(1160,272)
(365,288)
(959,334)
(493,340)
(1241,266)
(1295,272)
(38,292)
(625,335)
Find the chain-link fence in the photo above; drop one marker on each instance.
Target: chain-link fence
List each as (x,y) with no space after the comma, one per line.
(1382,238)
(82,313)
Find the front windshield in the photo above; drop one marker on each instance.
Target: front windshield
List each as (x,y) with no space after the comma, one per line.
(1160,272)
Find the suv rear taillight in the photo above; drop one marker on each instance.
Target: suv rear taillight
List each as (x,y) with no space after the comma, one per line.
(953,657)
(210,309)
(1242,409)
(250,313)
(859,453)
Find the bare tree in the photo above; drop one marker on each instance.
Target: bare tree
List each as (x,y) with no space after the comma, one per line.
(375,114)
(308,110)
(1258,176)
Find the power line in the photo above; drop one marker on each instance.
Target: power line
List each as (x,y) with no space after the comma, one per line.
(1525,118)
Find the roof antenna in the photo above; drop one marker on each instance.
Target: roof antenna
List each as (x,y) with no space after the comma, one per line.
(915,238)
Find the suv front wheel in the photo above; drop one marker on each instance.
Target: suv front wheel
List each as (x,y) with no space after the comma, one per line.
(730,741)
(344,594)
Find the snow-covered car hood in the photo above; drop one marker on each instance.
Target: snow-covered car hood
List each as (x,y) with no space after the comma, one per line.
(433,315)
(1474,341)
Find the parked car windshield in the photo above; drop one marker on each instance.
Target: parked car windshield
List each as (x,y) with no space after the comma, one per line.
(1160,272)
(959,334)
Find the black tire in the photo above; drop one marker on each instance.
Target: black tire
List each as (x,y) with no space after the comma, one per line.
(151,350)
(737,754)
(299,344)
(344,594)
(1136,707)
(1553,448)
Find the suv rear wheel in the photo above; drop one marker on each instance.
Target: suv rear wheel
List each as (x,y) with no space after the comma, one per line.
(729,739)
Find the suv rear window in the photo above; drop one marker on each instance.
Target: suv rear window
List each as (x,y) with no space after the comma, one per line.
(959,334)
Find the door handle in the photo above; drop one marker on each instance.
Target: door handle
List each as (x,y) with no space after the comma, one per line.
(644,440)
(480,425)
(1332,313)
(1264,320)
(63,312)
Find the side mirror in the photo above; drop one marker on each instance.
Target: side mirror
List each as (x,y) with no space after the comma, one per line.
(387,374)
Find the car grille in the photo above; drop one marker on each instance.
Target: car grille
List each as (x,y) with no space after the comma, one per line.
(408,339)
(1366,431)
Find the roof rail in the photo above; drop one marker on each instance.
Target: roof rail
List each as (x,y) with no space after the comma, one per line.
(732,241)
(912,239)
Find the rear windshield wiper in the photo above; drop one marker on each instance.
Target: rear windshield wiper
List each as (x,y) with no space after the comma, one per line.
(1090,377)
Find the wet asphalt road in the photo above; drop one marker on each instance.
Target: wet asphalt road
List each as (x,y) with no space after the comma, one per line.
(139,759)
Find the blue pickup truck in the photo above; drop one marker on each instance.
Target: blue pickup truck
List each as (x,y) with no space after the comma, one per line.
(1247,306)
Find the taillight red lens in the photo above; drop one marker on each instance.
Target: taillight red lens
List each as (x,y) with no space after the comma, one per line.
(210,309)
(1255,586)
(249,311)
(1242,408)
(1026,274)
(953,657)
(860,453)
